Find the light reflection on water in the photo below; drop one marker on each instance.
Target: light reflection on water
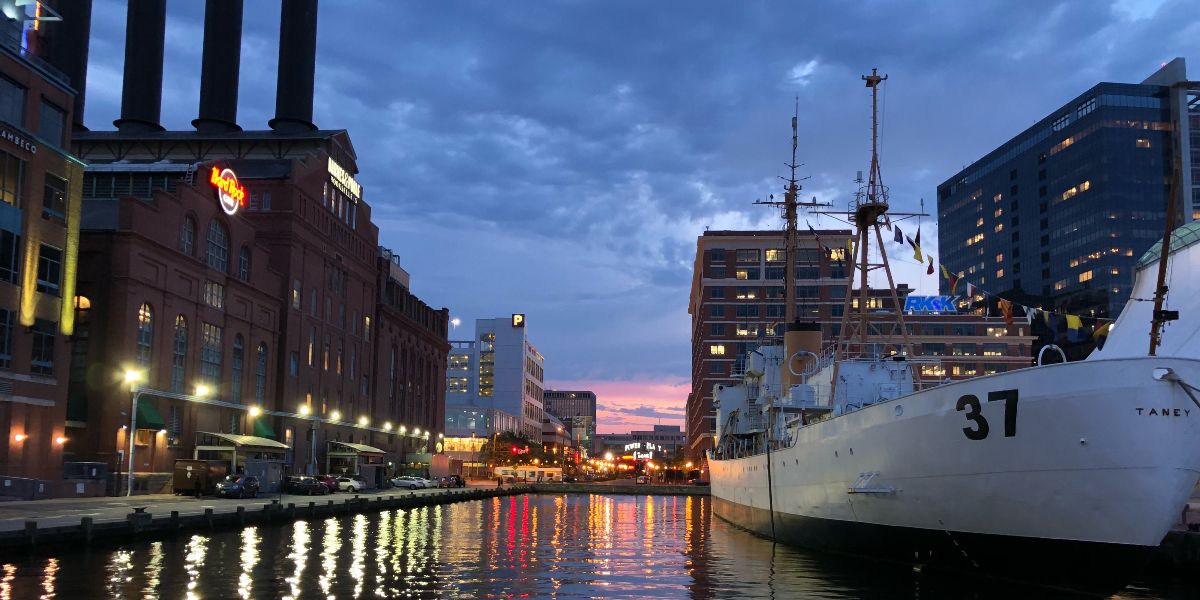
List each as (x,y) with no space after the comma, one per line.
(565,546)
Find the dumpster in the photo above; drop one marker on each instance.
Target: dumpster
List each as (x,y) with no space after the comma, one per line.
(191,473)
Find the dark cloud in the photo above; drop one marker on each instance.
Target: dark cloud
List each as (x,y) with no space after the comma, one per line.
(560,159)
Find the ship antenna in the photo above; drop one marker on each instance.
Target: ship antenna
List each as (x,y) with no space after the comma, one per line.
(868,211)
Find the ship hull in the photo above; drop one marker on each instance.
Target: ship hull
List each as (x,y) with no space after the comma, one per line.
(1072,484)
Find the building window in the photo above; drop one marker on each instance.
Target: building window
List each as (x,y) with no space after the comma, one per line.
(712,272)
(6,329)
(218,246)
(145,334)
(239,363)
(312,303)
(995,349)
(179,359)
(12,170)
(10,256)
(717,329)
(210,353)
(49,275)
(747,256)
(12,102)
(54,197)
(297,292)
(1085,276)
(214,295)
(294,364)
(717,349)
(716,368)
(367,328)
(42,360)
(716,255)
(187,237)
(260,374)
(175,427)
(716,310)
(52,123)
(1142,143)
(716,292)
(775,255)
(747,273)
(312,345)
(244,264)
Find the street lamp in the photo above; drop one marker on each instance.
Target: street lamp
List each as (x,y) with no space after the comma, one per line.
(305,410)
(132,377)
(202,390)
(363,420)
(387,426)
(255,411)
(335,416)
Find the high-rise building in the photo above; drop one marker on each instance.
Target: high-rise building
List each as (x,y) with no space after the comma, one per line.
(40,188)
(493,385)
(1057,216)
(737,299)
(576,409)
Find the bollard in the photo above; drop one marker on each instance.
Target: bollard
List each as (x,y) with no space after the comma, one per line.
(241,515)
(31,532)
(175,520)
(208,517)
(85,524)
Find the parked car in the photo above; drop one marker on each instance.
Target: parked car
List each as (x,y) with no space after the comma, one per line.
(452,481)
(408,482)
(568,479)
(238,486)
(642,479)
(302,484)
(351,484)
(698,482)
(330,481)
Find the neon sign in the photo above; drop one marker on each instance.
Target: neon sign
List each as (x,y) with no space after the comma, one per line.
(344,181)
(930,304)
(231,193)
(518,320)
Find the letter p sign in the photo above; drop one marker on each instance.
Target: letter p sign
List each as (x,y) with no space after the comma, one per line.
(518,320)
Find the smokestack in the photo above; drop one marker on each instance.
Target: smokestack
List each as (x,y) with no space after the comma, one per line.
(141,91)
(219,69)
(69,49)
(297,66)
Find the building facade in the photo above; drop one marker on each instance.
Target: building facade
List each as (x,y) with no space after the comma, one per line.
(236,277)
(40,184)
(494,384)
(1057,216)
(737,298)
(577,410)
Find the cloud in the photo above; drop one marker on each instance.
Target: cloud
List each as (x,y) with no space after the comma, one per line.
(561,159)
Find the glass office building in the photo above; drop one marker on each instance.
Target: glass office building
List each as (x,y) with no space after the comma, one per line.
(1057,216)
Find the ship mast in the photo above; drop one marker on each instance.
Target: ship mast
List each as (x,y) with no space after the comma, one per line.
(868,211)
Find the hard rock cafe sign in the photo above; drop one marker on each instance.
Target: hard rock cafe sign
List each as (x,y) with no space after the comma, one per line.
(230,193)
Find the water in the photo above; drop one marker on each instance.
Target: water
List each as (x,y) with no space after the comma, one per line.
(565,546)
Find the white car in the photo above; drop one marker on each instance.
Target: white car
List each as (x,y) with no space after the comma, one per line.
(411,483)
(350,484)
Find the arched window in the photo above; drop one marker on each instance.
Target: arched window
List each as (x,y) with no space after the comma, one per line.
(187,237)
(218,247)
(260,375)
(239,361)
(244,264)
(145,334)
(179,358)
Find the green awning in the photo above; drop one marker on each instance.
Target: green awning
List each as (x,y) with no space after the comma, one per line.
(148,417)
(262,428)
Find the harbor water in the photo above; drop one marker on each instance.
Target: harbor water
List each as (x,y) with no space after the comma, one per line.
(529,546)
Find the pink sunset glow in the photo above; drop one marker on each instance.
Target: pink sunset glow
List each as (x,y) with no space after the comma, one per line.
(624,406)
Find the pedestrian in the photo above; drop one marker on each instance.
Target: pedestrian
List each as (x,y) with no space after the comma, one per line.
(499,482)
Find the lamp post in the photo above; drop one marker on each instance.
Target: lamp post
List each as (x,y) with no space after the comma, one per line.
(132,377)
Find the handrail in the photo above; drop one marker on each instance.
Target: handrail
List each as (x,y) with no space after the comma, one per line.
(1047,347)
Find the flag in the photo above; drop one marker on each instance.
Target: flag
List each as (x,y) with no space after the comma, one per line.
(850,248)
(917,253)
(918,235)
(1006,309)
(929,271)
(887,222)
(899,235)
(945,272)
(1075,332)
(1030,314)
(954,281)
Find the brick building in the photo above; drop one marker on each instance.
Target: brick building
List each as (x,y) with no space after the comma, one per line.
(40,182)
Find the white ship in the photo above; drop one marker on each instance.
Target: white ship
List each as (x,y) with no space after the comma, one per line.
(1061,475)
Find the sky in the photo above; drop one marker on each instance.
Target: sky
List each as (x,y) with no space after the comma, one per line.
(559,159)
